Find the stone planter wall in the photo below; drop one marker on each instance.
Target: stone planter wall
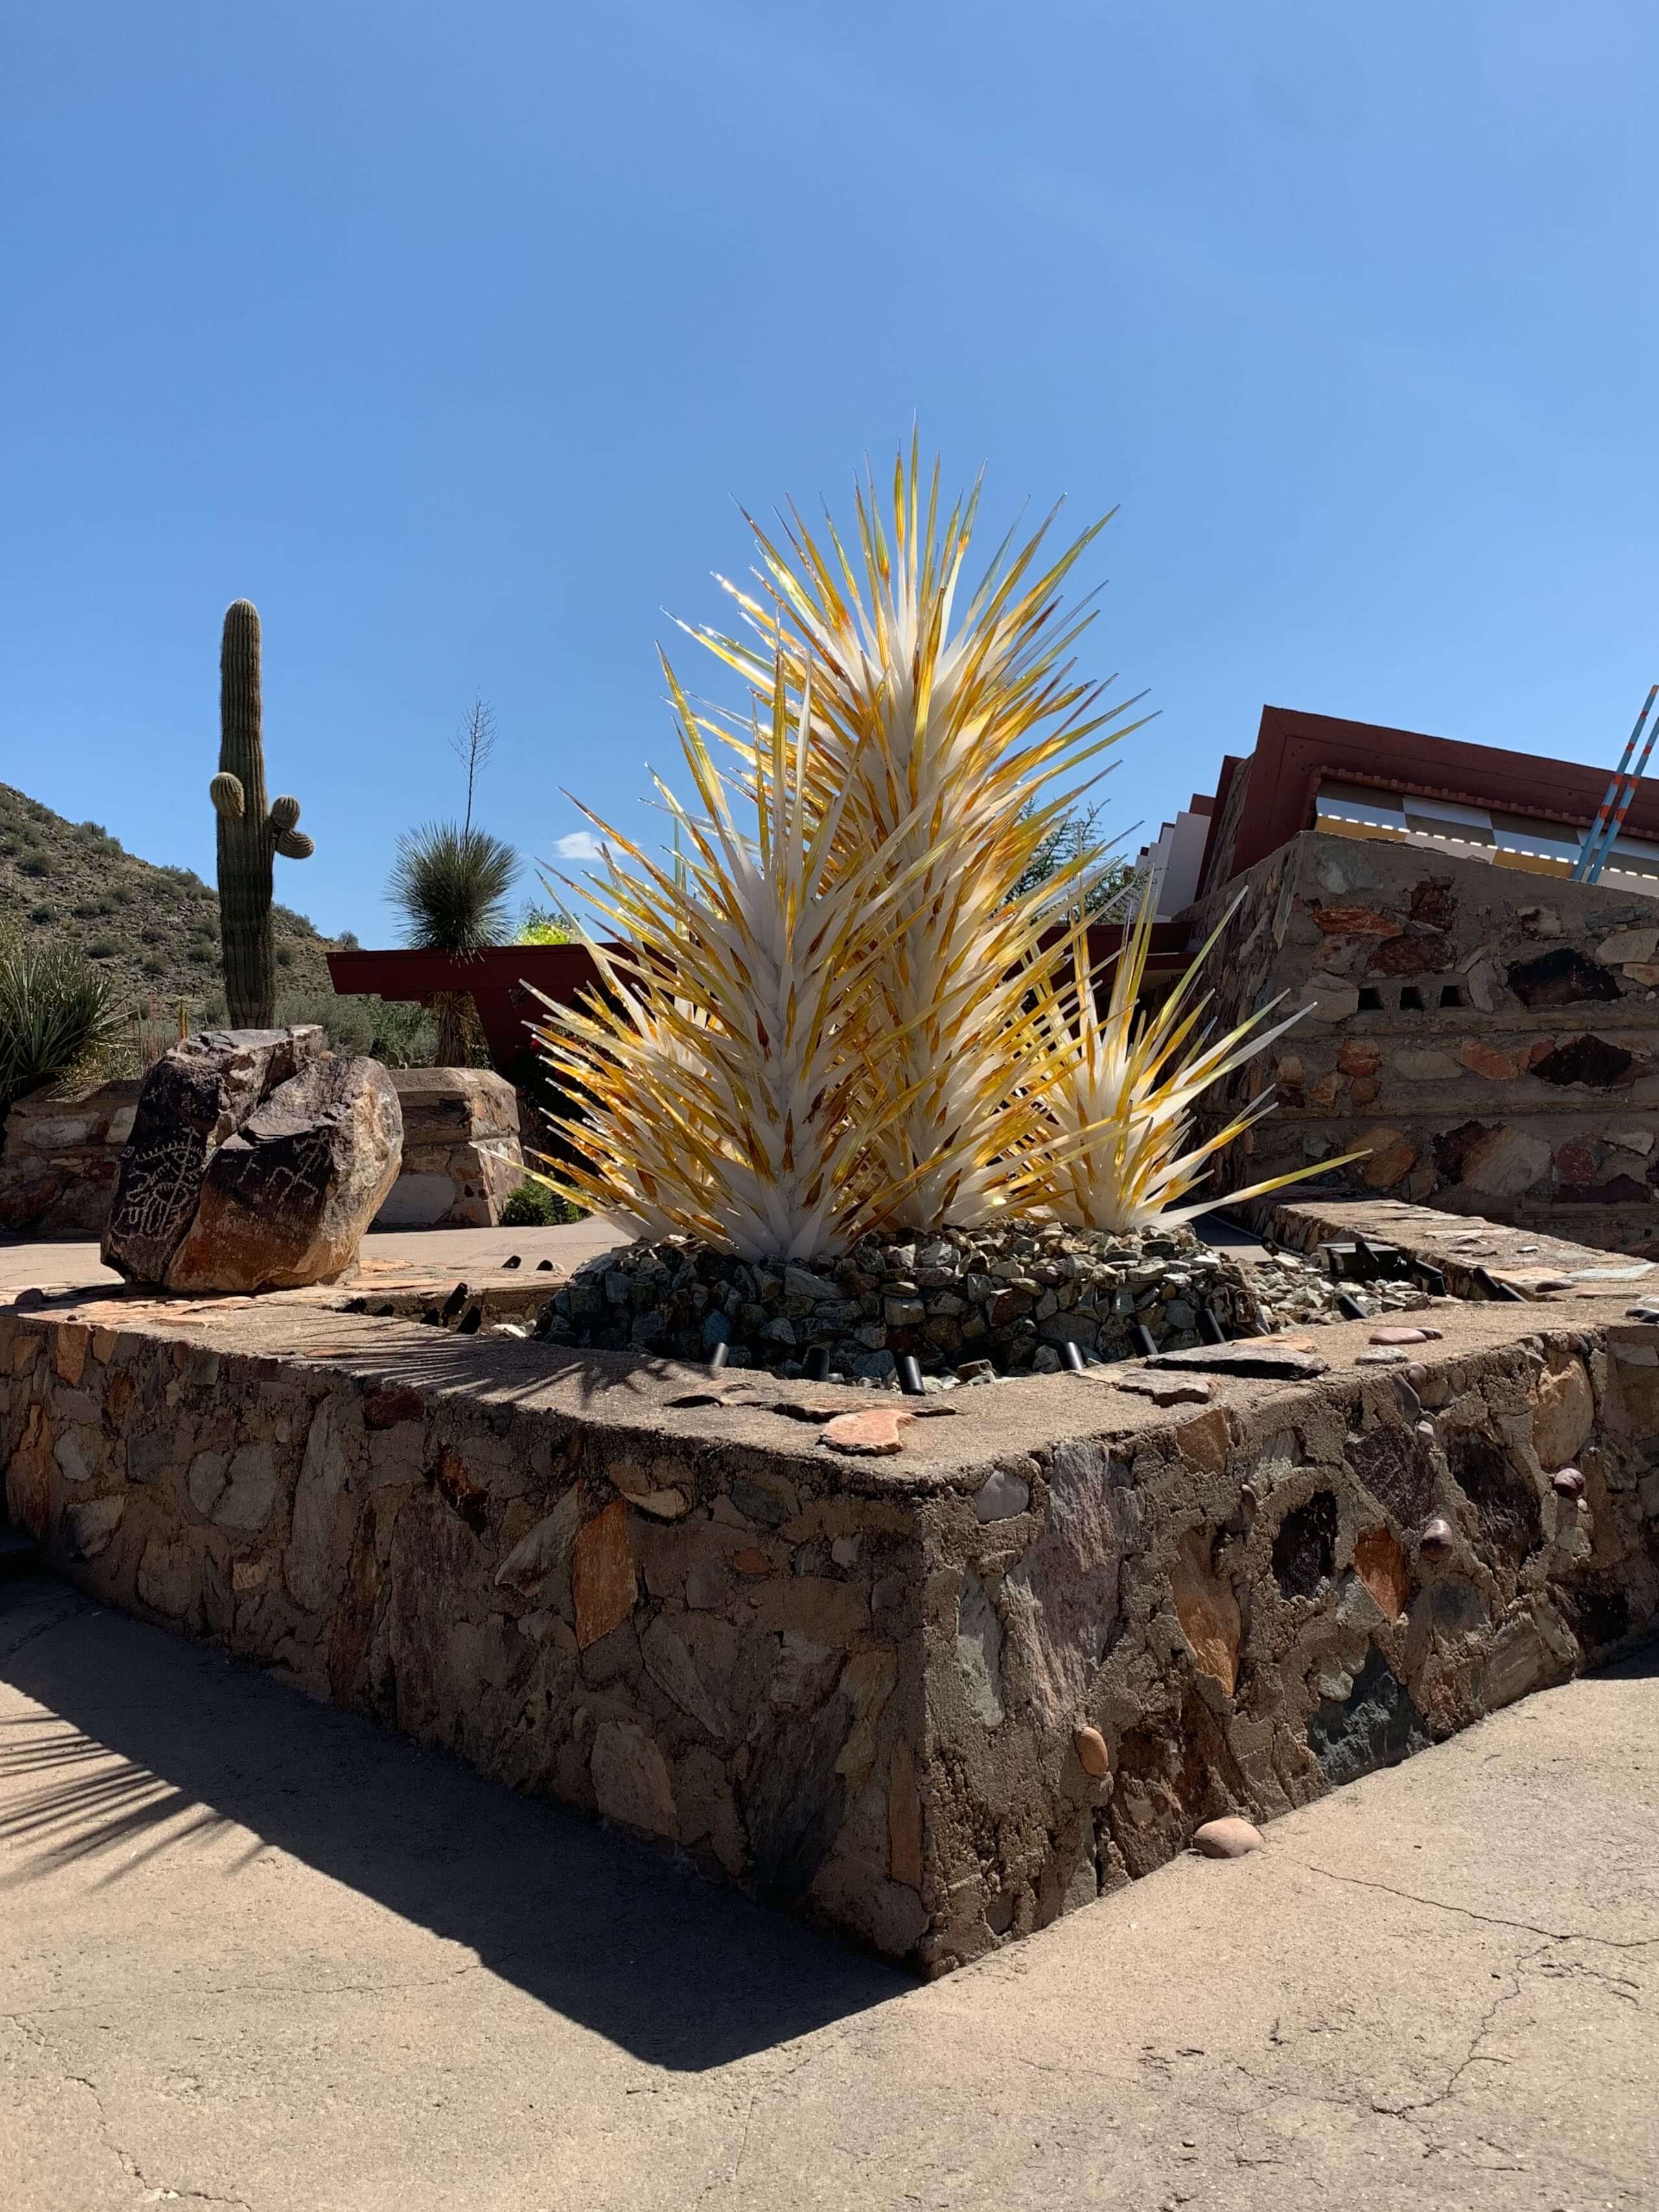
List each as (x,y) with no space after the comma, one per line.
(1490,1037)
(58,1169)
(860,1687)
(462,1158)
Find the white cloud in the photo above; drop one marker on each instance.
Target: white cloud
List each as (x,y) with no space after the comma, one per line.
(580,845)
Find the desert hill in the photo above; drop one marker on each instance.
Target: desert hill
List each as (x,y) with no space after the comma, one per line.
(155,929)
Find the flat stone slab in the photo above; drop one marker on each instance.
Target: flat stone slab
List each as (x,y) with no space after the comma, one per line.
(1164,1389)
(1255,1355)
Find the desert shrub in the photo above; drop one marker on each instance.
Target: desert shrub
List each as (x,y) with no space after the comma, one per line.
(34,864)
(397,1034)
(43,916)
(153,964)
(545,925)
(56,1010)
(102,948)
(533,1206)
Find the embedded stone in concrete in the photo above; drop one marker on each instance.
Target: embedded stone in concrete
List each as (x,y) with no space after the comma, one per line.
(1093,1757)
(1380,1565)
(1562,977)
(873,1434)
(1375,1724)
(1228,1839)
(1563,1412)
(1393,1155)
(1207,1611)
(88,1527)
(602,1575)
(979,1652)
(1305,1550)
(1505,1163)
(1589,1061)
(1000,1496)
(631,1781)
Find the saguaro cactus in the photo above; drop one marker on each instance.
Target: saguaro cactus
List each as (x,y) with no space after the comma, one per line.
(249,837)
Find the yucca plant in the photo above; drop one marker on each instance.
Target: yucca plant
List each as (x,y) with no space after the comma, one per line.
(938,748)
(1114,1149)
(732,1094)
(451,884)
(56,1010)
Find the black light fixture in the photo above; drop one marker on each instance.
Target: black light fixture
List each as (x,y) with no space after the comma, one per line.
(910,1375)
(817,1363)
(717,1358)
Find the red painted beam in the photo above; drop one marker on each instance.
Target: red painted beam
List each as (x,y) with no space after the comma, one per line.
(503,982)
(503,979)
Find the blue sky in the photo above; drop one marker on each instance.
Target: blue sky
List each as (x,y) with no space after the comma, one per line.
(451,335)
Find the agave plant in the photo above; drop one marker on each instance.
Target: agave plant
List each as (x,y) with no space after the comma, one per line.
(1114,1149)
(935,749)
(732,1092)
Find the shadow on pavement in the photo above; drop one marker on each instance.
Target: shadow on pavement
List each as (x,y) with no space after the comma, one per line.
(158,1742)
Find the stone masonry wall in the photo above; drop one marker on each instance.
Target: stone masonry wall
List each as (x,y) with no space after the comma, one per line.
(57,1170)
(1491,1037)
(462,1159)
(934,1700)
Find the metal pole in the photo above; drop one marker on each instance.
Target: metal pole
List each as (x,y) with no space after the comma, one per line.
(1581,867)
(1610,837)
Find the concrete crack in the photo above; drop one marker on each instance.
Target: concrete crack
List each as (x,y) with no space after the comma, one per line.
(1474,2055)
(1486,1919)
(154,2192)
(773,2081)
(44,1628)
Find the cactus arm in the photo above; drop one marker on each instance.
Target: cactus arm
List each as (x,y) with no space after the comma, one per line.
(284,813)
(226,792)
(295,845)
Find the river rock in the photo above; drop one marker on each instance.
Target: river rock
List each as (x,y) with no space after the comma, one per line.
(1230,1838)
(256,1161)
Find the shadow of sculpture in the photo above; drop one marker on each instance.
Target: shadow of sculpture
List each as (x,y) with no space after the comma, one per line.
(150,1744)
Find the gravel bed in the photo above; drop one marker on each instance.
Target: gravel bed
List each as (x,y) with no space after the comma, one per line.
(969,1304)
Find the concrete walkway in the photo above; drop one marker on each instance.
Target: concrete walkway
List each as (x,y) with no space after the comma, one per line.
(452,1252)
(258,1954)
